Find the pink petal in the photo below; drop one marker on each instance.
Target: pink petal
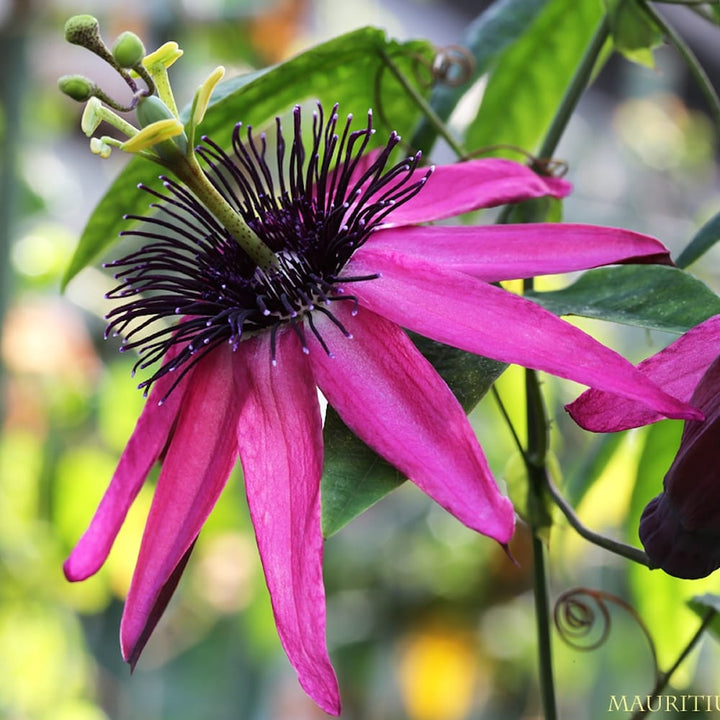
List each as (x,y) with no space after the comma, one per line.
(505,252)
(392,398)
(677,369)
(199,460)
(459,310)
(279,435)
(465,186)
(146,444)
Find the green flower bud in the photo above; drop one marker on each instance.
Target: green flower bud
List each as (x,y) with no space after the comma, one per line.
(78,87)
(83,30)
(128,50)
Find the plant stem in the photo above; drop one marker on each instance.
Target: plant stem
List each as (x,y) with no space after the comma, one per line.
(614,546)
(542,614)
(578,84)
(13,54)
(426,108)
(664,678)
(537,422)
(575,89)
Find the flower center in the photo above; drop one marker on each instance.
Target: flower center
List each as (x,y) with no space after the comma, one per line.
(313,208)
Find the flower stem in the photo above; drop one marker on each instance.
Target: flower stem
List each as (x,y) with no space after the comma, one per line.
(694,66)
(575,89)
(537,421)
(535,463)
(664,678)
(578,84)
(427,110)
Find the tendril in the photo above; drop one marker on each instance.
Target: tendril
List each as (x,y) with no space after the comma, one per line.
(453,65)
(417,97)
(583,620)
(543,166)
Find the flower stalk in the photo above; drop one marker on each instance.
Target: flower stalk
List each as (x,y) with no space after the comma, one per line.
(537,421)
(162,137)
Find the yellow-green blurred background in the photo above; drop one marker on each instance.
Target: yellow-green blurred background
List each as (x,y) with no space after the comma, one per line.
(426,621)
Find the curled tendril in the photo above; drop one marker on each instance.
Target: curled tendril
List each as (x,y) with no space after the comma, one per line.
(583,620)
(453,65)
(543,166)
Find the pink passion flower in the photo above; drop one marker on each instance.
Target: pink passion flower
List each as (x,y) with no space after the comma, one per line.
(680,528)
(238,373)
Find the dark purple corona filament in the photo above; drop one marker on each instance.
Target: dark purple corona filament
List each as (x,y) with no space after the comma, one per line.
(312,208)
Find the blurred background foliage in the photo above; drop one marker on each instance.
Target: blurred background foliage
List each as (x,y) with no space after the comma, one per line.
(426,620)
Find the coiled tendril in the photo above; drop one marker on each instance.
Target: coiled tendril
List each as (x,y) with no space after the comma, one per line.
(583,619)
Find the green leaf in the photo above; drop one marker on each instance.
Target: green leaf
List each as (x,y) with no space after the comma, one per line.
(354,476)
(486,38)
(656,297)
(348,70)
(531,76)
(702,604)
(633,32)
(704,239)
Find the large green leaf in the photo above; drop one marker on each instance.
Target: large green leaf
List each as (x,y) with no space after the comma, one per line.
(656,297)
(349,70)
(531,76)
(354,476)
(487,36)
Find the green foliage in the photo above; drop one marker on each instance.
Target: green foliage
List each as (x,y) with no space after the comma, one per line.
(633,32)
(348,70)
(703,240)
(531,75)
(656,297)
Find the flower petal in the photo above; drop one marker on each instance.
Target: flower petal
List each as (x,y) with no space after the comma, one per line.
(465,186)
(459,310)
(279,436)
(146,444)
(677,369)
(507,252)
(199,459)
(390,396)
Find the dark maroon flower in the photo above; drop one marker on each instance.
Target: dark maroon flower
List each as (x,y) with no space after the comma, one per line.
(680,528)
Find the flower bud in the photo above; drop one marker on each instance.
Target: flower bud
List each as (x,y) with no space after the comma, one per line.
(128,50)
(680,528)
(152,109)
(78,87)
(83,30)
